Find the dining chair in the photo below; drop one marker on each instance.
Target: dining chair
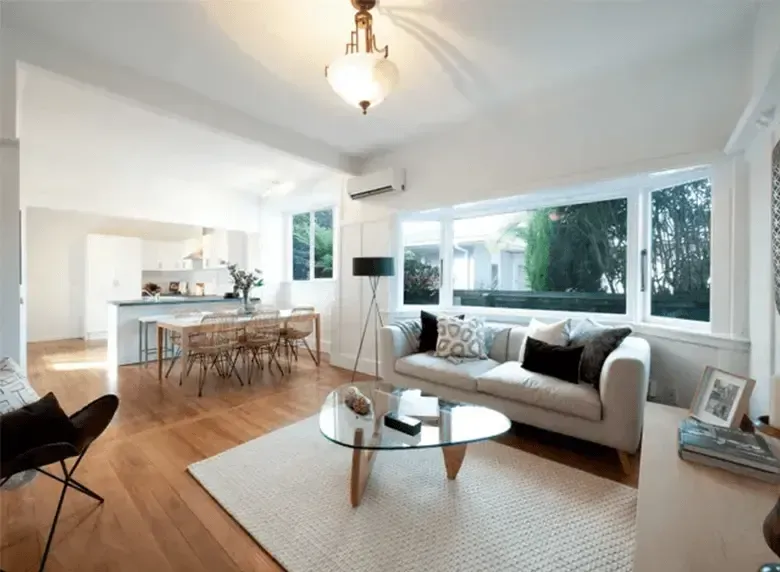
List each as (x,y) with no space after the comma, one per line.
(262,335)
(216,346)
(296,331)
(178,344)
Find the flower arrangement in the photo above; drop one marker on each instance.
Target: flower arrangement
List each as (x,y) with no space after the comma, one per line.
(244,281)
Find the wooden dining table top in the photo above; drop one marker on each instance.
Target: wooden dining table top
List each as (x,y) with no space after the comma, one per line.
(195,321)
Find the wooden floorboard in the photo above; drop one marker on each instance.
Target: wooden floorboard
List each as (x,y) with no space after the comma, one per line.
(156,517)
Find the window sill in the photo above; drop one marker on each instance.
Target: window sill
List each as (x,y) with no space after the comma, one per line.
(313,281)
(700,337)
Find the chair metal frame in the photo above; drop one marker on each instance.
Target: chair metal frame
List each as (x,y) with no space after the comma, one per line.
(90,421)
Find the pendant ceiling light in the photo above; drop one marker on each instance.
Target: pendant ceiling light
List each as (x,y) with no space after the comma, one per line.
(363,76)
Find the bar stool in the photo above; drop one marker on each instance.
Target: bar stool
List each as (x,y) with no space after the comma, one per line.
(144,351)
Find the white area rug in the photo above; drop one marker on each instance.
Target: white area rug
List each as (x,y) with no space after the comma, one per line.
(507,510)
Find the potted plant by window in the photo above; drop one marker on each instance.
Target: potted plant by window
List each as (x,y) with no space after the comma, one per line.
(244,281)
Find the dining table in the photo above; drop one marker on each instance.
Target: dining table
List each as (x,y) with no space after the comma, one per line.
(193,324)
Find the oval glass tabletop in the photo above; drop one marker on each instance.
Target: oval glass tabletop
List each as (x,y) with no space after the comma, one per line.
(448,424)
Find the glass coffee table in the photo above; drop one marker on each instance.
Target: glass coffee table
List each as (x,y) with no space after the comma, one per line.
(456,425)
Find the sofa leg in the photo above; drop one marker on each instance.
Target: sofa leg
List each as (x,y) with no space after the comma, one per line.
(625,461)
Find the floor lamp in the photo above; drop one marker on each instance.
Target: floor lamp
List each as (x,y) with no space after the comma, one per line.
(374,268)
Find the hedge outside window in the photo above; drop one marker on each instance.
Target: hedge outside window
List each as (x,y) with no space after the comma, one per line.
(312,258)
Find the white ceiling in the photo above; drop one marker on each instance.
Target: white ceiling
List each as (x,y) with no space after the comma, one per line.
(75,136)
(456,57)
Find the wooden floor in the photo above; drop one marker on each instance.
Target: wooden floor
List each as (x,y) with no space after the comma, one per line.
(156,517)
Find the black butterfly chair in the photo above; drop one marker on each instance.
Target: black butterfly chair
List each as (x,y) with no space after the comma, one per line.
(90,422)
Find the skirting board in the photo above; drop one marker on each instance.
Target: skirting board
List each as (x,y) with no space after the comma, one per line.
(347,362)
(96,336)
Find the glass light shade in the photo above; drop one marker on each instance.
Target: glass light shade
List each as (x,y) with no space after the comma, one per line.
(363,77)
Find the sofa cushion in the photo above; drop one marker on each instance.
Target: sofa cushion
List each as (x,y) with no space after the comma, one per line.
(553,334)
(561,362)
(430,332)
(497,340)
(599,341)
(440,370)
(460,338)
(510,381)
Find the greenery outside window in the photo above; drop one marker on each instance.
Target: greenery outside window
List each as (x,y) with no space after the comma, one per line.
(421,279)
(567,258)
(636,249)
(312,245)
(680,251)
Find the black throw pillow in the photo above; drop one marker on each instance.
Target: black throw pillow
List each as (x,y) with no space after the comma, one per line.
(430,331)
(42,422)
(599,341)
(562,362)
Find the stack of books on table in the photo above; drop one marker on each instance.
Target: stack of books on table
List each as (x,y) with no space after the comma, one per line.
(733,450)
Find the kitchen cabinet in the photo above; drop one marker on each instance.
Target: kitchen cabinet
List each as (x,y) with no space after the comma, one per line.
(215,249)
(113,272)
(165,255)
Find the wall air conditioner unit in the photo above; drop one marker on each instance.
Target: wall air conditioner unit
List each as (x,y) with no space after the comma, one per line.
(386,181)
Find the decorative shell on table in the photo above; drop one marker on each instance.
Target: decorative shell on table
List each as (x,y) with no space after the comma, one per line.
(356,401)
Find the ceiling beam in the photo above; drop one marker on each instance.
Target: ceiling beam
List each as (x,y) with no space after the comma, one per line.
(173,99)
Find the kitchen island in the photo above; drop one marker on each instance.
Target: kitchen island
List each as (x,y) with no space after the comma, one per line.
(126,330)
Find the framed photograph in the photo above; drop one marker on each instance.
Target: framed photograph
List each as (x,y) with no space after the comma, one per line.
(722,398)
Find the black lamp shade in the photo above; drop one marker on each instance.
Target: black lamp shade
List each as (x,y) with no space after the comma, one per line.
(373,266)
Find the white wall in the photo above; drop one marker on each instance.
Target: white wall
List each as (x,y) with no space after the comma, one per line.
(55,265)
(593,131)
(56,270)
(216,282)
(273,252)
(229,210)
(764,320)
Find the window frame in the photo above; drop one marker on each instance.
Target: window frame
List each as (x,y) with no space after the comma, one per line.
(644,315)
(636,190)
(312,226)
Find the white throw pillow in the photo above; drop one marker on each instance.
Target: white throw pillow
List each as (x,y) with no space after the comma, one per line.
(460,338)
(554,334)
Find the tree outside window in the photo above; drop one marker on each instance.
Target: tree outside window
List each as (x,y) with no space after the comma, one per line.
(680,251)
(312,245)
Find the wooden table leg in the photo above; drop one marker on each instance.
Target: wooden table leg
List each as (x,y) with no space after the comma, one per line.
(159,352)
(318,338)
(453,459)
(362,463)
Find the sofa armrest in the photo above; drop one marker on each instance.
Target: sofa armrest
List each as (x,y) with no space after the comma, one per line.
(623,388)
(393,345)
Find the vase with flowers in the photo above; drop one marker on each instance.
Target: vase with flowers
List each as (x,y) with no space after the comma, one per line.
(244,281)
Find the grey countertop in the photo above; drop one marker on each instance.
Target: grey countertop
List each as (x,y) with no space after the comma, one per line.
(166,300)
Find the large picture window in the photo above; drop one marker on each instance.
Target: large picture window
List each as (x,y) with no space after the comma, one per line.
(312,245)
(680,251)
(636,250)
(570,258)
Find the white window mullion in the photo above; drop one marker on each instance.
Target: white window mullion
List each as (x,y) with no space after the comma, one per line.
(634,246)
(311,245)
(644,266)
(445,257)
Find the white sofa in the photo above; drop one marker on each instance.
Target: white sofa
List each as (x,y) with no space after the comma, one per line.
(611,415)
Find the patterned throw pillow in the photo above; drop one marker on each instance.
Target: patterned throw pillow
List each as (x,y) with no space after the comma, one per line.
(460,338)
(15,392)
(599,341)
